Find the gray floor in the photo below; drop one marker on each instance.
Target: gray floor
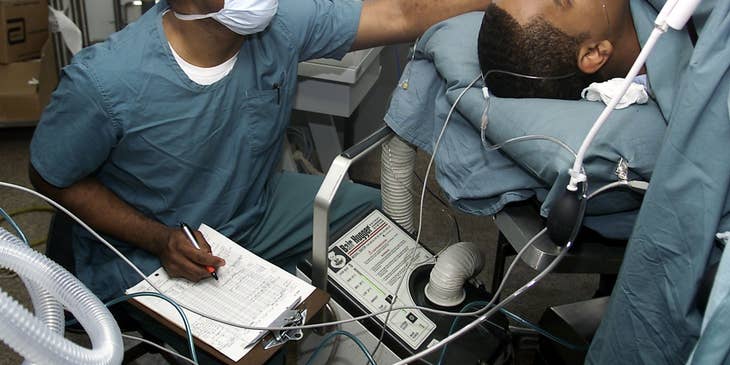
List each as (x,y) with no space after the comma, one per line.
(438,230)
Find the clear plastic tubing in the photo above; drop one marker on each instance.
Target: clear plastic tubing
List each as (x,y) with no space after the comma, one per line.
(46,307)
(31,337)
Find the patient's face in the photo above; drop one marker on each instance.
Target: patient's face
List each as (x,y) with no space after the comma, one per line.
(574,17)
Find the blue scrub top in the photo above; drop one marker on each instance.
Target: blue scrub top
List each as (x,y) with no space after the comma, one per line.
(653,316)
(125,112)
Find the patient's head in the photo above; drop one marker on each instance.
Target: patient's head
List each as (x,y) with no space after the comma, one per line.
(574,42)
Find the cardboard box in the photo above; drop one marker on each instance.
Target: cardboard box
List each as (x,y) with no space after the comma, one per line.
(23,29)
(26,89)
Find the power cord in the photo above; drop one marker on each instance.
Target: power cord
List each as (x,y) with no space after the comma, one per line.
(8,217)
(354,338)
(178,307)
(563,342)
(13,224)
(445,207)
(516,318)
(33,209)
(161,348)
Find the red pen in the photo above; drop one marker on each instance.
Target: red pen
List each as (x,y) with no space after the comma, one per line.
(194,241)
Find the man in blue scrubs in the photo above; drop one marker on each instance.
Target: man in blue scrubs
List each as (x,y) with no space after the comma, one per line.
(180,117)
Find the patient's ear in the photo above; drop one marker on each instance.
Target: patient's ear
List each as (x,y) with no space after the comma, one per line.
(593,55)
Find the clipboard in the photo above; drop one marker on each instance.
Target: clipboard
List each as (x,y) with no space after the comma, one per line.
(258,355)
(250,291)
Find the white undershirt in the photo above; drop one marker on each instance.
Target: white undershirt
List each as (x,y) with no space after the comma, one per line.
(204,75)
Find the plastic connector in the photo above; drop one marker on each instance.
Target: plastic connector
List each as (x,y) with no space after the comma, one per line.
(639,185)
(675,14)
(575,179)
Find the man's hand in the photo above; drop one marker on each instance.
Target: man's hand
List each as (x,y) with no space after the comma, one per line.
(105,212)
(181,259)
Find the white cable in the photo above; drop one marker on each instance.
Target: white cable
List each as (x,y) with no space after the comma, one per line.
(488,102)
(162,348)
(675,14)
(311,326)
(607,187)
(634,184)
(576,176)
(435,150)
(529,137)
(214,318)
(511,267)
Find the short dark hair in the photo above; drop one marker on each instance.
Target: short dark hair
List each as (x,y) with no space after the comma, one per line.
(538,49)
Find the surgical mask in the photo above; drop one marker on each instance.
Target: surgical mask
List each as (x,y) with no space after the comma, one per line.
(241,16)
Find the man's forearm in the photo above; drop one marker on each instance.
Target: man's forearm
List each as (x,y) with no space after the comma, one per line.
(104,211)
(421,14)
(394,21)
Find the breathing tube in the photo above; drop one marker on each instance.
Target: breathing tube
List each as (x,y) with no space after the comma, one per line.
(47,309)
(43,343)
(454,267)
(396,176)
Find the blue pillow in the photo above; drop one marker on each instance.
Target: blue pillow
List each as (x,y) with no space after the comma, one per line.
(633,134)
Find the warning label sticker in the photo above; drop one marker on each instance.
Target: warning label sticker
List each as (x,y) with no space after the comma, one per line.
(369,261)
